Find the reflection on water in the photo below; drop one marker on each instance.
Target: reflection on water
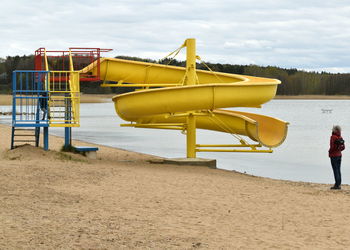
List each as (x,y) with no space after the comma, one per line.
(302,157)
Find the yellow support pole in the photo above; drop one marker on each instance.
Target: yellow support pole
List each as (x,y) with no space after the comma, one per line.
(237,150)
(71,66)
(46,61)
(190,61)
(191,80)
(191,136)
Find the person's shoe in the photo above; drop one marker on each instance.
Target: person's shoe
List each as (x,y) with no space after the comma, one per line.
(335,187)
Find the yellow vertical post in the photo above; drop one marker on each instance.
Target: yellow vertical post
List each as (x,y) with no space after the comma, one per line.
(191,136)
(71,66)
(190,61)
(47,86)
(191,80)
(46,61)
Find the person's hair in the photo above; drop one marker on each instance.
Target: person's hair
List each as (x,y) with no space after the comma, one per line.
(336,128)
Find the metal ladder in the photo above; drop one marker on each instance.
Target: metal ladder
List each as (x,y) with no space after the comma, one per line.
(63,99)
(25,135)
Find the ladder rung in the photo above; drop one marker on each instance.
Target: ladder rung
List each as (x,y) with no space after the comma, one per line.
(24,135)
(24,141)
(25,129)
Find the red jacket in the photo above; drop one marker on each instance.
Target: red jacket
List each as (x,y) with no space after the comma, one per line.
(335,149)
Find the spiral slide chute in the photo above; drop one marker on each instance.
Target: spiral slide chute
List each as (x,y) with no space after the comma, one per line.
(168,105)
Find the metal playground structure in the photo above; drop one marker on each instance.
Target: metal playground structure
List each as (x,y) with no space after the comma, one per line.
(167,97)
(49,96)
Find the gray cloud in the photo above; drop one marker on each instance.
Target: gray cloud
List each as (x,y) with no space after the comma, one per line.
(310,35)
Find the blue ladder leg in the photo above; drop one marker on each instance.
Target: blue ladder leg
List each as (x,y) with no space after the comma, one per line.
(37,136)
(46,138)
(67,137)
(13,138)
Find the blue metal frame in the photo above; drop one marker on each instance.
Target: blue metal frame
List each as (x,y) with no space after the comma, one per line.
(30,103)
(30,98)
(30,106)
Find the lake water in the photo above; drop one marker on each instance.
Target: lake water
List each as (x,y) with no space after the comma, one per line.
(302,157)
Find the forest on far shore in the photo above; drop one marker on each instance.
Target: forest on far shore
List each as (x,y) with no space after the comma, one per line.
(294,82)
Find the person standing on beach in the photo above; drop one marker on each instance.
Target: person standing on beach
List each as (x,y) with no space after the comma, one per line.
(336,146)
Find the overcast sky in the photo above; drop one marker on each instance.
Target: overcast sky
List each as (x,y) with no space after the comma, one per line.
(303,34)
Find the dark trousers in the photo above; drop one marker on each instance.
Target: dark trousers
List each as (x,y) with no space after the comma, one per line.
(336,162)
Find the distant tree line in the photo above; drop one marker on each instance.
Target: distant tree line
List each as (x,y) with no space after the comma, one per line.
(294,82)
(10,64)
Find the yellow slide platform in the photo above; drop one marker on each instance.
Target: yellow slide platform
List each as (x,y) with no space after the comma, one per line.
(167,105)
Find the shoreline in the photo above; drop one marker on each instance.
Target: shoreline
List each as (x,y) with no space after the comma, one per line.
(103,98)
(312,97)
(223,166)
(154,159)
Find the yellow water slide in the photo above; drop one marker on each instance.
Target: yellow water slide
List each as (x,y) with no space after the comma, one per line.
(168,99)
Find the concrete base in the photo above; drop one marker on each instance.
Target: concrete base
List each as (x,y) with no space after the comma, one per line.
(211,163)
(91,154)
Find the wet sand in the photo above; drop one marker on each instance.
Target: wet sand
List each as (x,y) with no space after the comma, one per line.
(55,200)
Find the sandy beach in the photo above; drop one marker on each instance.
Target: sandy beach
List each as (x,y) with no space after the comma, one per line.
(55,200)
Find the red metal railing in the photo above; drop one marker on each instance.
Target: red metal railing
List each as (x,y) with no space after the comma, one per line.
(59,60)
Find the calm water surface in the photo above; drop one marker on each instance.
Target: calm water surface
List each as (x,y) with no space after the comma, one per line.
(302,157)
